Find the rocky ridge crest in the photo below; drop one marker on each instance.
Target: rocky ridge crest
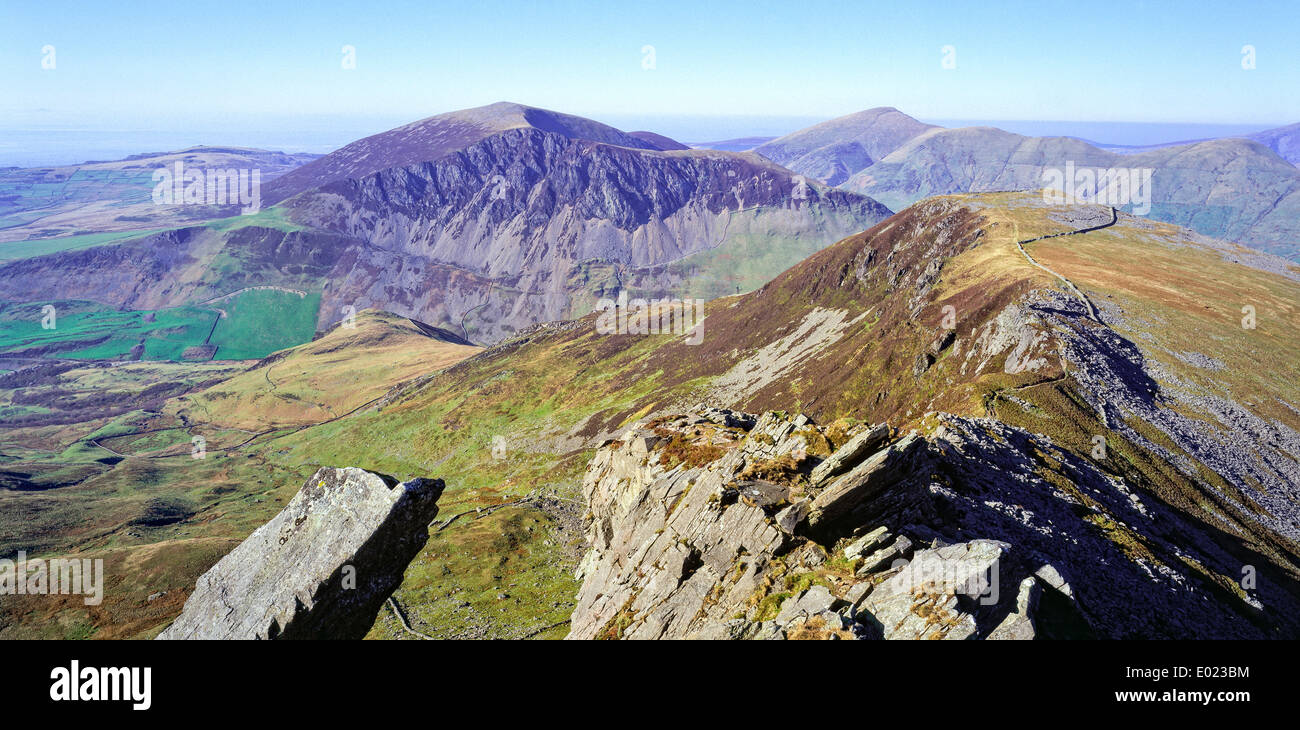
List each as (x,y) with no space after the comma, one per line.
(720,524)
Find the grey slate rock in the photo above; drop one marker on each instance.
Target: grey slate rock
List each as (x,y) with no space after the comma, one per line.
(853,451)
(1019,624)
(921,601)
(867,543)
(881,470)
(321,568)
(811,602)
(791,517)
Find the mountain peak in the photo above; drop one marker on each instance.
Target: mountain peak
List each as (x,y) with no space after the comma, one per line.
(435,137)
(834,150)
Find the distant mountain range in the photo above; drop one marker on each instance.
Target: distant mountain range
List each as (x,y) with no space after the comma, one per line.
(739,144)
(834,151)
(482,221)
(1245,190)
(1285,141)
(100,197)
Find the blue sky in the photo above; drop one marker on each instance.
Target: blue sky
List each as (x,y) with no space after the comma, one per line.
(160,65)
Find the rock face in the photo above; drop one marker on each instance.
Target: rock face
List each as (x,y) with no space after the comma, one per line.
(665,540)
(321,568)
(936,595)
(710,525)
(438,136)
(529,225)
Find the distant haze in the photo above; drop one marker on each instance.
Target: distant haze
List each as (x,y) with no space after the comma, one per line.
(72,144)
(1117,133)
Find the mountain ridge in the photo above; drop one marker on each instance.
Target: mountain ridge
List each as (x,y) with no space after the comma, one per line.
(835,150)
(431,138)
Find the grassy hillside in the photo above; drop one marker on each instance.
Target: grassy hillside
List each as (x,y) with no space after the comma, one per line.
(42,246)
(342,370)
(95,460)
(856,332)
(54,202)
(261,321)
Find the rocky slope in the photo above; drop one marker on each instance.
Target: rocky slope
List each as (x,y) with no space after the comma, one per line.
(321,568)
(720,524)
(537,221)
(1082,383)
(436,137)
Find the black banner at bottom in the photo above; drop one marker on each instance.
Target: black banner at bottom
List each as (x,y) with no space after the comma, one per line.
(220,680)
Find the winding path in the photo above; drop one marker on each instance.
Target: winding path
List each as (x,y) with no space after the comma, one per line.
(1092,309)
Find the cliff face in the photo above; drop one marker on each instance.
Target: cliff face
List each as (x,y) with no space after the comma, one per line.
(510,227)
(320,569)
(720,524)
(435,137)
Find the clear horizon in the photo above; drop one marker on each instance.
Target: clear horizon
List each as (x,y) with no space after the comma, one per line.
(1153,61)
(1124,73)
(36,147)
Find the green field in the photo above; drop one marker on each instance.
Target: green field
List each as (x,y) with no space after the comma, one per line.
(257,323)
(93,331)
(12,250)
(274,217)
(26,195)
(260,322)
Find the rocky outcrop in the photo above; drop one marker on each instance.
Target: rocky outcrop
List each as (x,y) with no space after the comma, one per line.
(713,525)
(322,568)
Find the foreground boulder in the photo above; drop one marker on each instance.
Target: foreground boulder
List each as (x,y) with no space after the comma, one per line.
(322,568)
